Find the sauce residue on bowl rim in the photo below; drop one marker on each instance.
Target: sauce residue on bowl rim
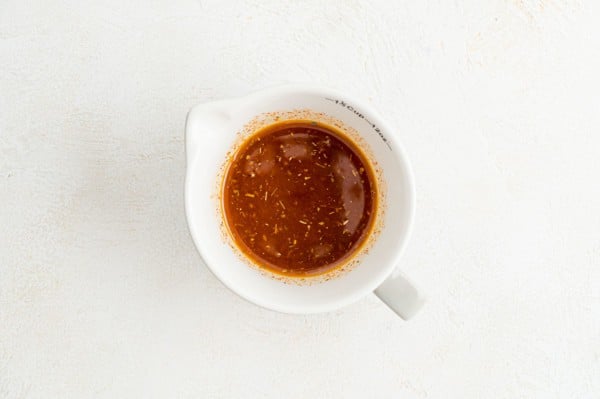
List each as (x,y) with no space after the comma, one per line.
(254,127)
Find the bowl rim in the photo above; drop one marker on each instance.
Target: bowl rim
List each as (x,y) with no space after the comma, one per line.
(391,139)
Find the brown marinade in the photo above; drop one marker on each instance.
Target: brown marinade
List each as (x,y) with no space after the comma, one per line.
(299,198)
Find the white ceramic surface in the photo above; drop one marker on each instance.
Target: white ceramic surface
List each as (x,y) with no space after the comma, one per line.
(212,129)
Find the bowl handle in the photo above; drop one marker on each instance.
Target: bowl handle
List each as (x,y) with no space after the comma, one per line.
(400,294)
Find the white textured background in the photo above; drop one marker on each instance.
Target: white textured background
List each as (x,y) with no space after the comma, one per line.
(102,294)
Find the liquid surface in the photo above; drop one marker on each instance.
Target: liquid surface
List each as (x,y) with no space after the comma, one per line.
(299,198)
